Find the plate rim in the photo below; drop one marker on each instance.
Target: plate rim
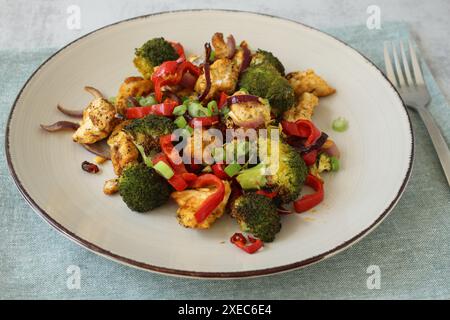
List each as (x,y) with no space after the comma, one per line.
(200,274)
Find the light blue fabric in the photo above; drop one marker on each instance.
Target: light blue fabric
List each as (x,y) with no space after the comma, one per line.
(411,247)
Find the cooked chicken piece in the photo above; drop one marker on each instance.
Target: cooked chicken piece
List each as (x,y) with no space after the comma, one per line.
(191,200)
(224,76)
(132,87)
(304,108)
(123,150)
(111,186)
(207,138)
(97,123)
(308,81)
(220,47)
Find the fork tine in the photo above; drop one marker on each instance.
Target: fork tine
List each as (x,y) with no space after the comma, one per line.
(389,70)
(398,66)
(406,64)
(415,64)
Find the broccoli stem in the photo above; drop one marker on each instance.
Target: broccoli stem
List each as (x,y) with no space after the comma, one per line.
(253,178)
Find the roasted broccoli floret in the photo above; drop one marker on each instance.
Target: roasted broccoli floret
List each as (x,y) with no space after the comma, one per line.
(146,132)
(324,163)
(142,189)
(152,53)
(288,179)
(262,56)
(265,81)
(257,214)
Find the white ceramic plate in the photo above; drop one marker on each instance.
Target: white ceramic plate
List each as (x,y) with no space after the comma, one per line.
(376,150)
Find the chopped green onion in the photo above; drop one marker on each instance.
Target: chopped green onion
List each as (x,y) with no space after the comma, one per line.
(232,169)
(180,122)
(212,107)
(195,109)
(112,100)
(212,55)
(224,111)
(207,169)
(164,170)
(335,164)
(147,101)
(340,124)
(179,110)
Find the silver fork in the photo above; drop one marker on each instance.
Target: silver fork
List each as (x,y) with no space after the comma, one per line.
(415,95)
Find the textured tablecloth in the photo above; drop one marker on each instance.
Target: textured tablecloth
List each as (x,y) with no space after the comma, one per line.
(411,247)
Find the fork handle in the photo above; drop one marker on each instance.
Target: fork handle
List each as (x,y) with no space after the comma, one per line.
(438,141)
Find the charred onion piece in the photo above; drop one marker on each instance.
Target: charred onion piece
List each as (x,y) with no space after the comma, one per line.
(95,92)
(246,59)
(60,125)
(70,113)
(89,167)
(207,72)
(99,148)
(241,98)
(231,44)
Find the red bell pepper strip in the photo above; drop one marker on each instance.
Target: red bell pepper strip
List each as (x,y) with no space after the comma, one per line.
(268,194)
(177,182)
(210,203)
(310,157)
(179,49)
(171,154)
(218,170)
(239,241)
(222,100)
(310,200)
(302,128)
(203,121)
(170,73)
(161,109)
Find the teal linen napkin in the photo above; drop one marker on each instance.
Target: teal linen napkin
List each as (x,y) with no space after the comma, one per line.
(411,247)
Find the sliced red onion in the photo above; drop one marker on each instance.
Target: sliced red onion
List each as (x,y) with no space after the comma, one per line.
(70,113)
(60,125)
(231,44)
(332,151)
(100,148)
(95,92)
(207,72)
(188,81)
(246,59)
(241,98)
(299,143)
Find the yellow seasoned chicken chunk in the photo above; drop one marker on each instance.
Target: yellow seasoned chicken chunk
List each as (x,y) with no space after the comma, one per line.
(123,150)
(224,76)
(97,123)
(132,87)
(308,81)
(191,200)
(304,109)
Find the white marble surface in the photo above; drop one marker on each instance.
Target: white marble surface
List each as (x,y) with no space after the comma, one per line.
(28,24)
